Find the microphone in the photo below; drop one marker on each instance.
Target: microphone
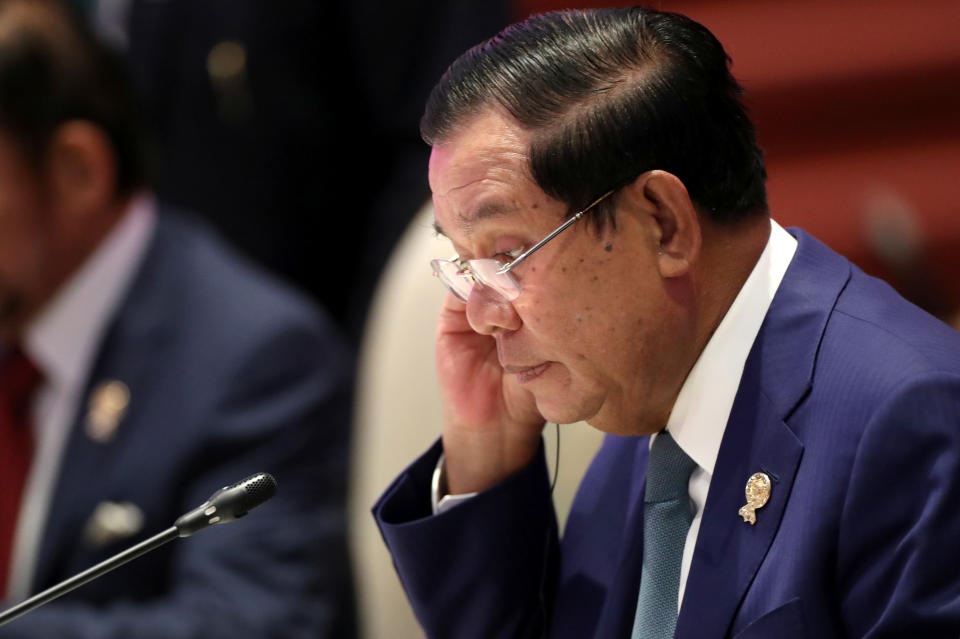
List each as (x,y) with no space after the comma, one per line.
(225,505)
(228,503)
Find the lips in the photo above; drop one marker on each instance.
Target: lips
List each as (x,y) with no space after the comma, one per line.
(527,373)
(510,350)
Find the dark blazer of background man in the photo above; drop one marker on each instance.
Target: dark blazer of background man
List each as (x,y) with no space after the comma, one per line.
(200,371)
(845,396)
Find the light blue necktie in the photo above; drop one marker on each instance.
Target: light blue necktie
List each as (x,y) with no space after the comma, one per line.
(666,520)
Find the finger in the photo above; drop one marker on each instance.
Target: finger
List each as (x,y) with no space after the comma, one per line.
(453,316)
(453,303)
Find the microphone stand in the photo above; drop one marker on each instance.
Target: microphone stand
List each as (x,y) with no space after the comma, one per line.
(88,575)
(227,504)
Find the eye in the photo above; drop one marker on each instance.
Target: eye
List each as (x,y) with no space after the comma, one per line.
(505,257)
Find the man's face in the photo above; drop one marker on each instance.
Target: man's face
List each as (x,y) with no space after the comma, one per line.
(27,252)
(595,329)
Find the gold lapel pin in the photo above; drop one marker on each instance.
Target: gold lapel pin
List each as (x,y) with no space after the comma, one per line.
(108,405)
(758,493)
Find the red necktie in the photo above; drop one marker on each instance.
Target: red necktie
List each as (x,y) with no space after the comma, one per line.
(18,379)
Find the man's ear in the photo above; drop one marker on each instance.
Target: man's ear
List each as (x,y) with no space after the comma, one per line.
(81,169)
(673,220)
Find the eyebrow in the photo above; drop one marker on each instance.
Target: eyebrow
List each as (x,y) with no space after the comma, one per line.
(485,211)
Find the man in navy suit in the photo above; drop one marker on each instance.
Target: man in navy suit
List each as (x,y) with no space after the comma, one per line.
(166,368)
(783,448)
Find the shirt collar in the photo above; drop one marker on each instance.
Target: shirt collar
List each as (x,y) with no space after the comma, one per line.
(63,338)
(699,416)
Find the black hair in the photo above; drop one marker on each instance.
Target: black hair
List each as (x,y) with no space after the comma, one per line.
(52,70)
(608,94)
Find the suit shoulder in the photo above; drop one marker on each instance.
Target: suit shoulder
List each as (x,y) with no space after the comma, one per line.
(233,280)
(223,298)
(885,330)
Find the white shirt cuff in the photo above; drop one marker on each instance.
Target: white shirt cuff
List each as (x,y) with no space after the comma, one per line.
(440,501)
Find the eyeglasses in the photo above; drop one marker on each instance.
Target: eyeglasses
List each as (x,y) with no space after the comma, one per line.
(460,277)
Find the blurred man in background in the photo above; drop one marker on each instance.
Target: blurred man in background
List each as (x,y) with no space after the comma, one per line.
(143,366)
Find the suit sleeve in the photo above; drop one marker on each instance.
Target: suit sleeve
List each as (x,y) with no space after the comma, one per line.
(485,568)
(899,545)
(282,571)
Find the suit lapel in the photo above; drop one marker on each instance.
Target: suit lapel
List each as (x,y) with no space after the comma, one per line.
(777,376)
(131,344)
(616,619)
(729,550)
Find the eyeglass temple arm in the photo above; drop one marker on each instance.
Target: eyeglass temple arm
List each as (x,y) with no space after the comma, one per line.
(535,247)
(560,229)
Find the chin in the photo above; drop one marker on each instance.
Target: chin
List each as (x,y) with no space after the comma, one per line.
(626,426)
(563,399)
(563,409)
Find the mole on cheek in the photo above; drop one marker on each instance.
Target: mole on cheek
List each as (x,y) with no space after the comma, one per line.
(608,248)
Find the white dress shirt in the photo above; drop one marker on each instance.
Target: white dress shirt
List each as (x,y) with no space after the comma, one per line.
(699,416)
(62,342)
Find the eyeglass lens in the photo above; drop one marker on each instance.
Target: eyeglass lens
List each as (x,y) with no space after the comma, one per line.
(485,271)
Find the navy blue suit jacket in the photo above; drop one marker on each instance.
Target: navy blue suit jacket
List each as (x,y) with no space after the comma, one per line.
(849,401)
(229,374)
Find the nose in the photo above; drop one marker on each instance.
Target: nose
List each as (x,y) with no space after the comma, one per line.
(489,312)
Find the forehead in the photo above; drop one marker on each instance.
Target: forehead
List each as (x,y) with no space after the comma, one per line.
(481,172)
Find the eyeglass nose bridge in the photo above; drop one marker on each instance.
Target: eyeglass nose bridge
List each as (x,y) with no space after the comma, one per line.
(495,276)
(466,271)
(484,273)
(448,272)
(477,281)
